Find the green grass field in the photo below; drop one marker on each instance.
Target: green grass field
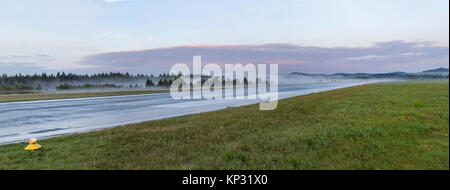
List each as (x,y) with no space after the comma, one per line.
(51,96)
(378,126)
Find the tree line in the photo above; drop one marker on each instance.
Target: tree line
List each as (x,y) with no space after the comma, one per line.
(61,80)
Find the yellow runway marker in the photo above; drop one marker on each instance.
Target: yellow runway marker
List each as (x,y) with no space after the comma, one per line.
(33,145)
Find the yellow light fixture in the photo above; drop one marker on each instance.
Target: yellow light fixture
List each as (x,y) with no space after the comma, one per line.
(33,145)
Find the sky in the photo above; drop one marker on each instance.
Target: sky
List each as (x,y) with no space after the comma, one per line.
(148,36)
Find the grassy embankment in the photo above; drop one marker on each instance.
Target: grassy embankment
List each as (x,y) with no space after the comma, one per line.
(50,96)
(377,126)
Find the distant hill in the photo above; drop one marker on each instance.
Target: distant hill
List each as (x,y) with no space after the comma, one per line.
(439,73)
(436,70)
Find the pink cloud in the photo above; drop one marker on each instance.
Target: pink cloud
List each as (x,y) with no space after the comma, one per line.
(289,57)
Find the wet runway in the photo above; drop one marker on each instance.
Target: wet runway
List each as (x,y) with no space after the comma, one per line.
(42,119)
